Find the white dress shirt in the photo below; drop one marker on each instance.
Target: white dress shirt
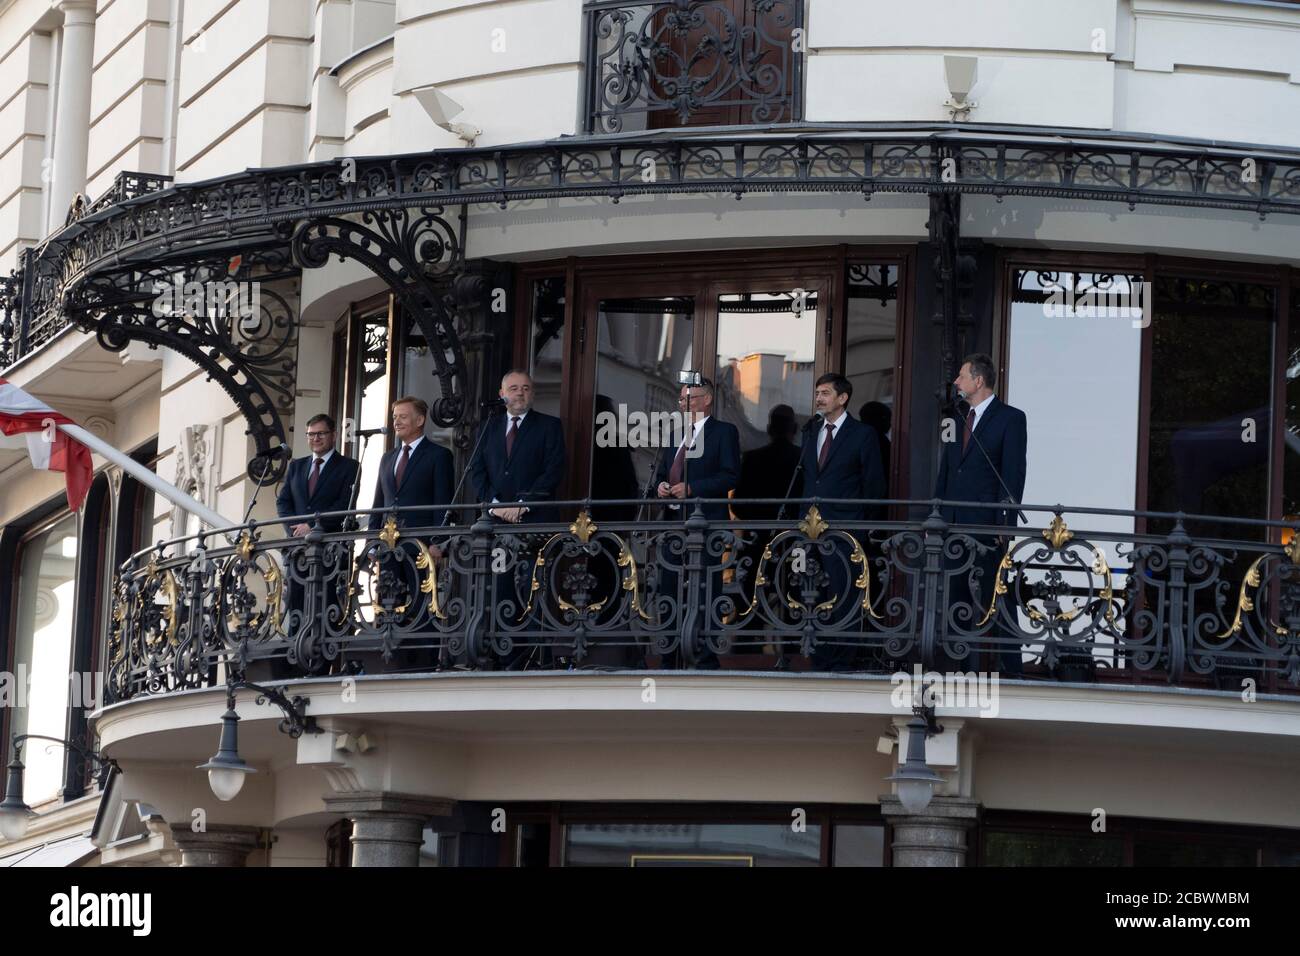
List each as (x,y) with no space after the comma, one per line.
(821,437)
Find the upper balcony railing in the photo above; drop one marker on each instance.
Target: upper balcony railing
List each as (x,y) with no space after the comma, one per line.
(605,589)
(672,63)
(23,330)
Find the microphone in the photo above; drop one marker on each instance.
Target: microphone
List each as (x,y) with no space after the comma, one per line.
(493,403)
(368,432)
(813,423)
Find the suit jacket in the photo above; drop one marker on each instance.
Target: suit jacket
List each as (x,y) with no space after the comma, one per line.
(968,476)
(427,481)
(853,470)
(534,469)
(710,474)
(333,489)
(765,473)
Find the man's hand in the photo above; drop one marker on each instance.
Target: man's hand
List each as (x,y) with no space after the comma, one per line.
(436,552)
(664,491)
(679,490)
(512,515)
(300,530)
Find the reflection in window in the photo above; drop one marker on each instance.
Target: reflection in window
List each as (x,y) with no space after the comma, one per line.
(859,845)
(1083,320)
(546,350)
(1002,848)
(691,844)
(1210,405)
(43,653)
(767,344)
(370,408)
(870,350)
(643,344)
(1291,433)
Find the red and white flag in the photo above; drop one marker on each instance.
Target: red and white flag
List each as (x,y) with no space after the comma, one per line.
(28,421)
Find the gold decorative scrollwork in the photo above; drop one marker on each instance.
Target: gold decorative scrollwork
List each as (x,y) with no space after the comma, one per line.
(1057,534)
(171,592)
(1245,604)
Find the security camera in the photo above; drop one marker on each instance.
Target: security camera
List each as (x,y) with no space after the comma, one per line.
(442,109)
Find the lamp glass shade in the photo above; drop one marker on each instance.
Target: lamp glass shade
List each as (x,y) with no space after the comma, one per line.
(226,782)
(13,823)
(915,794)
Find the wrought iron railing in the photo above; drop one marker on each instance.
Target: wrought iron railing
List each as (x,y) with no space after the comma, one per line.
(604,589)
(667,63)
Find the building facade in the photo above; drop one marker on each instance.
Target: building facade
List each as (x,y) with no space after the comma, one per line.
(219,219)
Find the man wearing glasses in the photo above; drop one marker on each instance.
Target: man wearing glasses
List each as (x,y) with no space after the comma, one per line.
(319,482)
(705,464)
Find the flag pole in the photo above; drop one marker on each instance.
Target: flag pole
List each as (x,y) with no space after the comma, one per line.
(146,477)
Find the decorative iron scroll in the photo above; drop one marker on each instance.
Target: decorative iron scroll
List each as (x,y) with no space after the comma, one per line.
(881,595)
(227,315)
(679,58)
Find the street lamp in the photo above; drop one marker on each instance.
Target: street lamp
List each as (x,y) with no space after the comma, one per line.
(15,815)
(916,781)
(227,770)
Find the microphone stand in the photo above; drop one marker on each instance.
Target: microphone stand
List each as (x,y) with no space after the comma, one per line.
(482,433)
(803,446)
(350,523)
(645,492)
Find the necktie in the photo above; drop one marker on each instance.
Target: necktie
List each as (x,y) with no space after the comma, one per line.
(679,464)
(315,477)
(401,464)
(511,435)
(970,427)
(826,446)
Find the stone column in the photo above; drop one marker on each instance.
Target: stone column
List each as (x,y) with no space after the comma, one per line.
(387,828)
(936,837)
(72,114)
(218,845)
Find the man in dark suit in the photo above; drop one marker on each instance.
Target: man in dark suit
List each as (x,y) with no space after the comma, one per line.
(702,462)
(984,461)
(416,472)
(317,483)
(841,459)
(520,455)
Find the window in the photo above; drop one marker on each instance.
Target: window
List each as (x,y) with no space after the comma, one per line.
(42,655)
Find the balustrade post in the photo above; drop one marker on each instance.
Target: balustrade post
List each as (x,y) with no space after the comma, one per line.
(481,613)
(694,620)
(1180,635)
(934,593)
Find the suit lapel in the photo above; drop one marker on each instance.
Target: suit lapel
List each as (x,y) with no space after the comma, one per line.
(990,412)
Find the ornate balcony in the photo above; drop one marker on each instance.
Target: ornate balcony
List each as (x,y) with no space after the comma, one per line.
(604,590)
